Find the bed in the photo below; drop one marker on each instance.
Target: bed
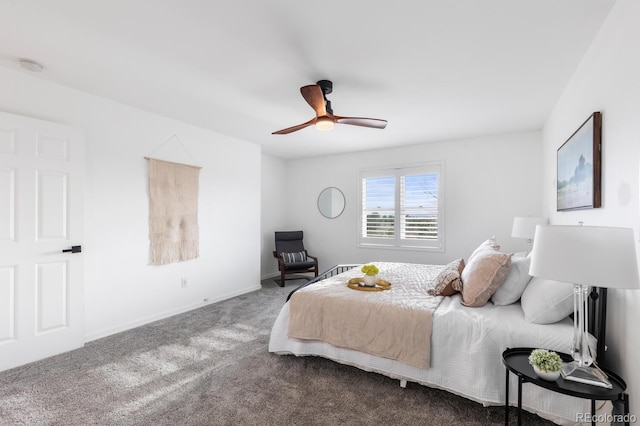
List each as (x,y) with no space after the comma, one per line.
(466,342)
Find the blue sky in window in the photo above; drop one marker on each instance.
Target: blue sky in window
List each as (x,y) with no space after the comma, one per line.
(420,191)
(379,192)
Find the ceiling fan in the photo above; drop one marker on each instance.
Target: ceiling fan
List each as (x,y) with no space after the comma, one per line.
(316,97)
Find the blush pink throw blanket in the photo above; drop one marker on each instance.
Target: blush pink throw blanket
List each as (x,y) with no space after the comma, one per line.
(393,324)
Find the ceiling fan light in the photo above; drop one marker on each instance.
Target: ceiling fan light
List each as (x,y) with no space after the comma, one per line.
(324,124)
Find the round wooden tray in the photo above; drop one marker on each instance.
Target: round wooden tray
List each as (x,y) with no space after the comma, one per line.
(355,283)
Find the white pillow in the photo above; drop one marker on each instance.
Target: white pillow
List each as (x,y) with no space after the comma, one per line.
(515,283)
(546,301)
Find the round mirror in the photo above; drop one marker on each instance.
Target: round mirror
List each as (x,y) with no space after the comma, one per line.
(331,202)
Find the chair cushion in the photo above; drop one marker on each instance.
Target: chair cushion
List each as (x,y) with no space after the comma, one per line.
(299,266)
(297,257)
(288,235)
(289,241)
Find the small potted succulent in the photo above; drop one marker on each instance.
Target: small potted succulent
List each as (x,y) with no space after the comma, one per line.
(546,364)
(370,274)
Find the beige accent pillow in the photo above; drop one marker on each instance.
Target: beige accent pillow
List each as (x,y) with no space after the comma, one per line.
(489,244)
(448,280)
(483,275)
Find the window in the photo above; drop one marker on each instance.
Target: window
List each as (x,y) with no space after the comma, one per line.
(402,208)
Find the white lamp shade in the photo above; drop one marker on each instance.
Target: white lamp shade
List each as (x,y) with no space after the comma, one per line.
(525,227)
(587,255)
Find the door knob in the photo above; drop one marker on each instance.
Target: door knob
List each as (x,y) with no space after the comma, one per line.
(73,249)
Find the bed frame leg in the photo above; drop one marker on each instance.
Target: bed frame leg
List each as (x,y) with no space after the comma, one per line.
(403,384)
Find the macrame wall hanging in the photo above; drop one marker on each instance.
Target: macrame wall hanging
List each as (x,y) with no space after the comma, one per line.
(173,210)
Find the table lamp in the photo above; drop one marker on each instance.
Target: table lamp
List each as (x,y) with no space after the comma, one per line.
(525,227)
(585,256)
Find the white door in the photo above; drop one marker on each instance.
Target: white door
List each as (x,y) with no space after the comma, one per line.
(41,214)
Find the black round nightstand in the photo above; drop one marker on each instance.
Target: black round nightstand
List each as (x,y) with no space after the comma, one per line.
(516,360)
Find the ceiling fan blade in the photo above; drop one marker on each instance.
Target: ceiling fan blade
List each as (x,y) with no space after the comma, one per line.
(314,97)
(296,128)
(374,123)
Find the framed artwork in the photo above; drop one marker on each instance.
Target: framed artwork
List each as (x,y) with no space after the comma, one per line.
(579,167)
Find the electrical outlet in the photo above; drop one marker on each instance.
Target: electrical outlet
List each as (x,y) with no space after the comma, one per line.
(183,282)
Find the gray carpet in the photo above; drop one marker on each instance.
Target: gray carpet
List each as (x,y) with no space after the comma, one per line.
(211,366)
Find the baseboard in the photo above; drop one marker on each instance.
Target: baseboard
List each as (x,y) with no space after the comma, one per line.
(269,276)
(308,275)
(162,315)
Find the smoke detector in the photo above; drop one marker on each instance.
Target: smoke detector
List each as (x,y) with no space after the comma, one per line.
(31,65)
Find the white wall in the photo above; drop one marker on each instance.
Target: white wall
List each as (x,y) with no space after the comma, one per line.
(489,180)
(608,81)
(274,210)
(121,289)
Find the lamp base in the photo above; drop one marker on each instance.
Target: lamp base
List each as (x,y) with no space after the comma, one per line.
(591,375)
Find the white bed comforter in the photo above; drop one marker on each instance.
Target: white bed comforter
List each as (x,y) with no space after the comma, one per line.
(466,355)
